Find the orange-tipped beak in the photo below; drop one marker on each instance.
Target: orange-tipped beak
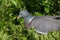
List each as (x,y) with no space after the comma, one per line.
(18,17)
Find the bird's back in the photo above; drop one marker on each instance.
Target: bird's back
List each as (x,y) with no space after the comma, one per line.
(46,23)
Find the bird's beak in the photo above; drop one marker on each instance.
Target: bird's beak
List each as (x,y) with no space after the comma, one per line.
(18,17)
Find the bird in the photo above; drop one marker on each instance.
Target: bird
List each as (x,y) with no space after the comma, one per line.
(41,24)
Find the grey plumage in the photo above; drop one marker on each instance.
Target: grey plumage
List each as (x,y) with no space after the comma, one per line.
(45,24)
(41,24)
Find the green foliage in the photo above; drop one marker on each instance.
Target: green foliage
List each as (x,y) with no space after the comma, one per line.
(13,29)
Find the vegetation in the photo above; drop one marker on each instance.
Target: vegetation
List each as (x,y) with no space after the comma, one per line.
(13,29)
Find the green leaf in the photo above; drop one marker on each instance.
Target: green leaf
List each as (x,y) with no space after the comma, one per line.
(5,37)
(46,9)
(1,34)
(14,2)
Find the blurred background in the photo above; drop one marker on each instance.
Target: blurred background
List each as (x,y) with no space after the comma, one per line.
(13,29)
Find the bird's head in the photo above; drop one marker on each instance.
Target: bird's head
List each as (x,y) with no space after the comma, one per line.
(23,13)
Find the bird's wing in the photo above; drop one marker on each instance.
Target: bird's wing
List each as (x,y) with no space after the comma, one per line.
(45,24)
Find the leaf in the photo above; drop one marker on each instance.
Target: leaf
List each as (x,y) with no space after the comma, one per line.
(46,9)
(1,34)
(5,37)
(14,2)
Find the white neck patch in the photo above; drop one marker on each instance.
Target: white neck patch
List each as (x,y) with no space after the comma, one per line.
(29,20)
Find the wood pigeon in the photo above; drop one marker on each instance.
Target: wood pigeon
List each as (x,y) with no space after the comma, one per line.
(41,24)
